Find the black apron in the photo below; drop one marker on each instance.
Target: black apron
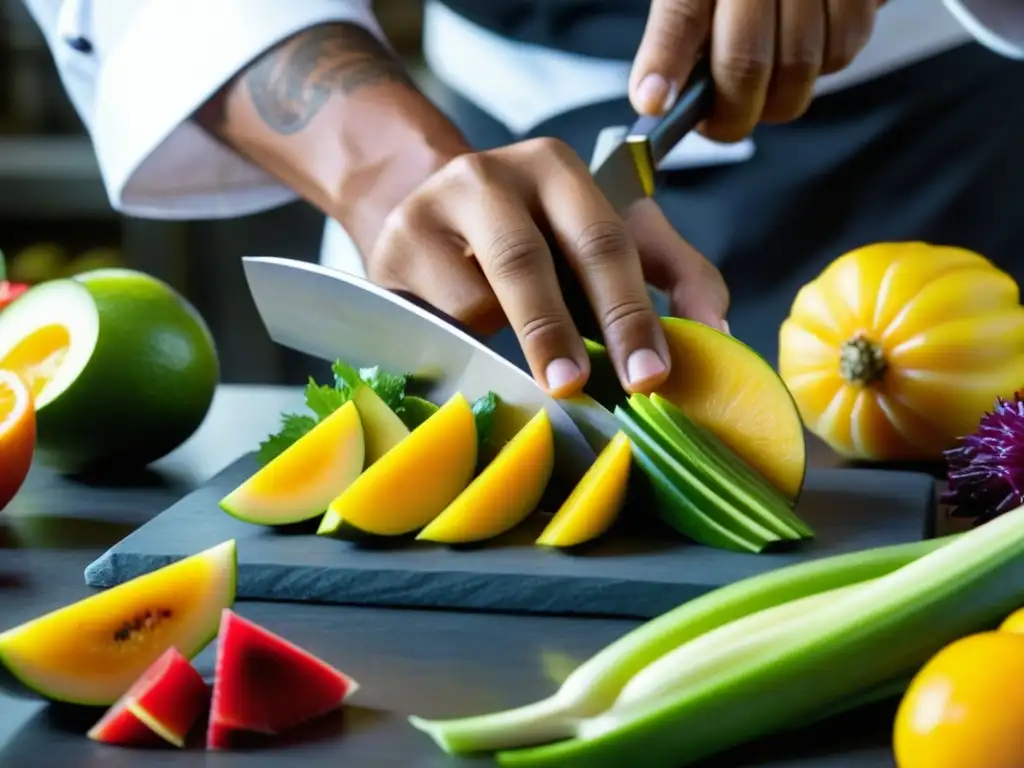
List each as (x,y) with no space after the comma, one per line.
(933,152)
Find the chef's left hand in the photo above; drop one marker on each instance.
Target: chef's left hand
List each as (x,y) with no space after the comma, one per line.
(765,55)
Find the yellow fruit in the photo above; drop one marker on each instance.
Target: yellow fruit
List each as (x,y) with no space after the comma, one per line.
(90,652)
(299,483)
(596,500)
(897,349)
(17,435)
(123,369)
(730,390)
(413,482)
(1014,623)
(965,708)
(508,489)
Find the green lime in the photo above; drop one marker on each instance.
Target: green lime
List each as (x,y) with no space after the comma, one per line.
(122,367)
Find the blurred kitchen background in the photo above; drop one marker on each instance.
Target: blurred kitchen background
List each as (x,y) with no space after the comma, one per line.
(55,218)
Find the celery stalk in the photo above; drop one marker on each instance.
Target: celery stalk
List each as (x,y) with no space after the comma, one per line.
(595,684)
(714,651)
(873,635)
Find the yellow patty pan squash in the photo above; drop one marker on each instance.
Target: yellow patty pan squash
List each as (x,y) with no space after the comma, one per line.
(897,349)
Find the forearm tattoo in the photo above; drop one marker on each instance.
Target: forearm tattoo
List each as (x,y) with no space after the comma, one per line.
(290,84)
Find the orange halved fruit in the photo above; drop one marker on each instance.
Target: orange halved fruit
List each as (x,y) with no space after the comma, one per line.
(17,434)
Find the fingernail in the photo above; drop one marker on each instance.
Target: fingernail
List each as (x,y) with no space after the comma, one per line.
(561,373)
(643,365)
(725,327)
(655,94)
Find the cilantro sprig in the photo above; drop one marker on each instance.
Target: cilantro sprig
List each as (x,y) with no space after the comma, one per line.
(324,399)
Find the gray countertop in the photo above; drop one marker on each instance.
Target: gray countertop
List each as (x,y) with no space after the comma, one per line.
(433,663)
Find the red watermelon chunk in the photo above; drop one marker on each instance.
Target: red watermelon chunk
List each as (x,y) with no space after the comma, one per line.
(162,705)
(265,684)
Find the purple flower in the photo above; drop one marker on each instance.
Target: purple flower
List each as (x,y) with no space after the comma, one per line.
(986,470)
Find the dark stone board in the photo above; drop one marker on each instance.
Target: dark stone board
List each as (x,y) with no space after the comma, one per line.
(632,573)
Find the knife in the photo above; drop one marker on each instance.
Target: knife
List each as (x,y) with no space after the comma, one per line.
(625,160)
(334,315)
(624,165)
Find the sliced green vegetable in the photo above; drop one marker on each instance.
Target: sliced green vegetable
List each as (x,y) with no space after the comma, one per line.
(596,683)
(691,510)
(713,445)
(710,506)
(857,642)
(722,479)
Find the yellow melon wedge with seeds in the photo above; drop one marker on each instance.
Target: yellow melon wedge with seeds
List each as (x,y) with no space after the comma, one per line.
(413,482)
(92,651)
(597,499)
(299,483)
(504,493)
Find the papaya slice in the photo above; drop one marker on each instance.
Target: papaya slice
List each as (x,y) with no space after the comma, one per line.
(504,493)
(382,428)
(299,483)
(91,652)
(597,499)
(413,482)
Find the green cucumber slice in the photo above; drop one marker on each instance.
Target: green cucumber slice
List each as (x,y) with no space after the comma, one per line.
(718,476)
(676,488)
(712,444)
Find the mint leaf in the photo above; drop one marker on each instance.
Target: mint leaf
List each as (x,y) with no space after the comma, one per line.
(345,376)
(483,411)
(323,400)
(293,426)
(390,387)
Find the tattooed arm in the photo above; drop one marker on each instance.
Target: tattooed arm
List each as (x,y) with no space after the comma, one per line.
(333,114)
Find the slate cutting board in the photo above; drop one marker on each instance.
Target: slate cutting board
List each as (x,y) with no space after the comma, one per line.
(638,575)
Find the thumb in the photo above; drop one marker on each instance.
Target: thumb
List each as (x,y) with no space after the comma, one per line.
(695,286)
(676,32)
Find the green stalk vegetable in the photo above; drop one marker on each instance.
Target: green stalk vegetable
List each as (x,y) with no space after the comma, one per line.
(713,652)
(595,684)
(875,634)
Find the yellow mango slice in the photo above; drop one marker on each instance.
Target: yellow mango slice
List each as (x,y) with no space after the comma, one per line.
(596,500)
(413,482)
(505,493)
(734,393)
(299,483)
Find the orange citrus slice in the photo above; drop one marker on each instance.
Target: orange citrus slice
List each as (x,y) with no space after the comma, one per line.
(17,434)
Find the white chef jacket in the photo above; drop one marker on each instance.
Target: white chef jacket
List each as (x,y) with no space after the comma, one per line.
(136,70)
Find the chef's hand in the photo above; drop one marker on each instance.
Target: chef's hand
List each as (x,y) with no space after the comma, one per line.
(469,240)
(765,55)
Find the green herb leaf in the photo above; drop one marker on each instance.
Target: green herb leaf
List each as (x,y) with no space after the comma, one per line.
(345,376)
(390,387)
(324,400)
(483,410)
(293,426)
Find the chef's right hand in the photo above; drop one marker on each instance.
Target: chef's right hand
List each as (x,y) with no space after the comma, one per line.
(470,240)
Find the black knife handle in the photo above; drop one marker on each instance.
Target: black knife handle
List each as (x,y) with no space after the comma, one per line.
(693,105)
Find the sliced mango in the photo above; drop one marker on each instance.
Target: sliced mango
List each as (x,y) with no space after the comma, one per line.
(382,428)
(413,482)
(597,499)
(730,390)
(299,483)
(508,489)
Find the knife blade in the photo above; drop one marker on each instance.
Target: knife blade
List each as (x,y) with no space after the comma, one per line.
(626,159)
(334,315)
